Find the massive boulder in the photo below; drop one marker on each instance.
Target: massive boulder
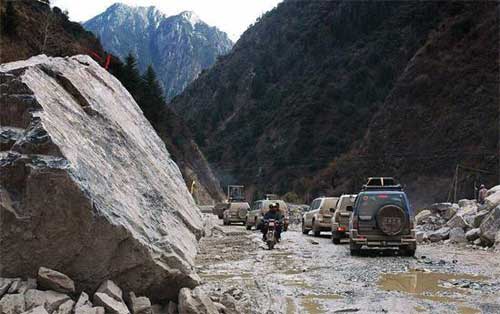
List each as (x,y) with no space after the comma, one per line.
(493,198)
(87,187)
(490,226)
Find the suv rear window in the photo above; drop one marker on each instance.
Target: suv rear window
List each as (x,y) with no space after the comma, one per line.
(370,203)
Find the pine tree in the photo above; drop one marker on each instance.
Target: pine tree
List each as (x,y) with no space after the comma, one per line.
(131,77)
(9,20)
(152,100)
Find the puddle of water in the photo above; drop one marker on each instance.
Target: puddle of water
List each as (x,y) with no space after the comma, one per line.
(292,272)
(297,283)
(428,286)
(311,306)
(215,277)
(467,310)
(291,308)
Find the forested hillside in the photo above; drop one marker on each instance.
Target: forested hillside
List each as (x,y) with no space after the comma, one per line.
(314,81)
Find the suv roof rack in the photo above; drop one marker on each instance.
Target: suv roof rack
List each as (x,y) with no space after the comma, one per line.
(396,187)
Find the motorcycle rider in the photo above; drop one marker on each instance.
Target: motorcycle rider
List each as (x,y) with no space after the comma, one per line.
(275,214)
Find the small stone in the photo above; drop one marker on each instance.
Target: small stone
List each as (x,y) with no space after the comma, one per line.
(37,310)
(12,304)
(53,280)
(230,303)
(5,285)
(172,308)
(478,242)
(15,285)
(51,300)
(195,302)
(457,221)
(220,307)
(439,235)
(111,289)
(457,235)
(419,236)
(83,300)
(110,304)
(422,216)
(66,307)
(472,234)
(479,217)
(139,305)
(90,310)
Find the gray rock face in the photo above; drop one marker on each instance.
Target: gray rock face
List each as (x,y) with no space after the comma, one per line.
(472,234)
(5,285)
(422,216)
(490,226)
(89,185)
(37,310)
(439,235)
(54,280)
(457,235)
(90,310)
(111,289)
(179,47)
(195,302)
(139,305)
(110,304)
(493,198)
(457,222)
(83,301)
(66,307)
(51,300)
(479,217)
(12,304)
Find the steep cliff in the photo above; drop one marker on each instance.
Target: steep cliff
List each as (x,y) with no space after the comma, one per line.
(313,81)
(179,47)
(87,185)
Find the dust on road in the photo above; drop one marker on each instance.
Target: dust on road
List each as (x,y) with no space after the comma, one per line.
(305,274)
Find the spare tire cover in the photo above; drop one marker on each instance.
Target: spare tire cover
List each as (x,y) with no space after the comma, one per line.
(242,213)
(391,219)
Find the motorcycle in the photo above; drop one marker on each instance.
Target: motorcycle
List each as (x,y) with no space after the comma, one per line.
(271,238)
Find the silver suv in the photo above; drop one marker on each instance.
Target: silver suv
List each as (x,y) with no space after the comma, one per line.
(341,217)
(319,216)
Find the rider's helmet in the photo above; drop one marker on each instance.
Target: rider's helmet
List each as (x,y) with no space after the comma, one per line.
(274,206)
(482,186)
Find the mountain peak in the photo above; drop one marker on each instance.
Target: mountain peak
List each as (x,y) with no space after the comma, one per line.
(191,17)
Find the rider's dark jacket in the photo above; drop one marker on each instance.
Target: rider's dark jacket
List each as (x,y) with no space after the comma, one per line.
(276,215)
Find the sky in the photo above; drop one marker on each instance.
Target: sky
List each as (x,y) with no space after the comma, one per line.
(230,16)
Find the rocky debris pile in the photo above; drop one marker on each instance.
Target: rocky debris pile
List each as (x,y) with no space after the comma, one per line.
(53,292)
(87,186)
(464,222)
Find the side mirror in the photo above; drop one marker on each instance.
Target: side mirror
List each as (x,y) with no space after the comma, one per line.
(349,208)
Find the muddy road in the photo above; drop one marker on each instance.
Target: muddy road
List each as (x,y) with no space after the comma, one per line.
(305,274)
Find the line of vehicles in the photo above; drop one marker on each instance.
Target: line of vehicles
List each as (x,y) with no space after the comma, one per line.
(379,216)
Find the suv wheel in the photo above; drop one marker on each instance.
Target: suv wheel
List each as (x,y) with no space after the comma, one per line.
(355,249)
(247,225)
(316,230)
(335,240)
(304,229)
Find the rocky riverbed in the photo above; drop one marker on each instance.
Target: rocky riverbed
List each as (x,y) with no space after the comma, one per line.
(305,274)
